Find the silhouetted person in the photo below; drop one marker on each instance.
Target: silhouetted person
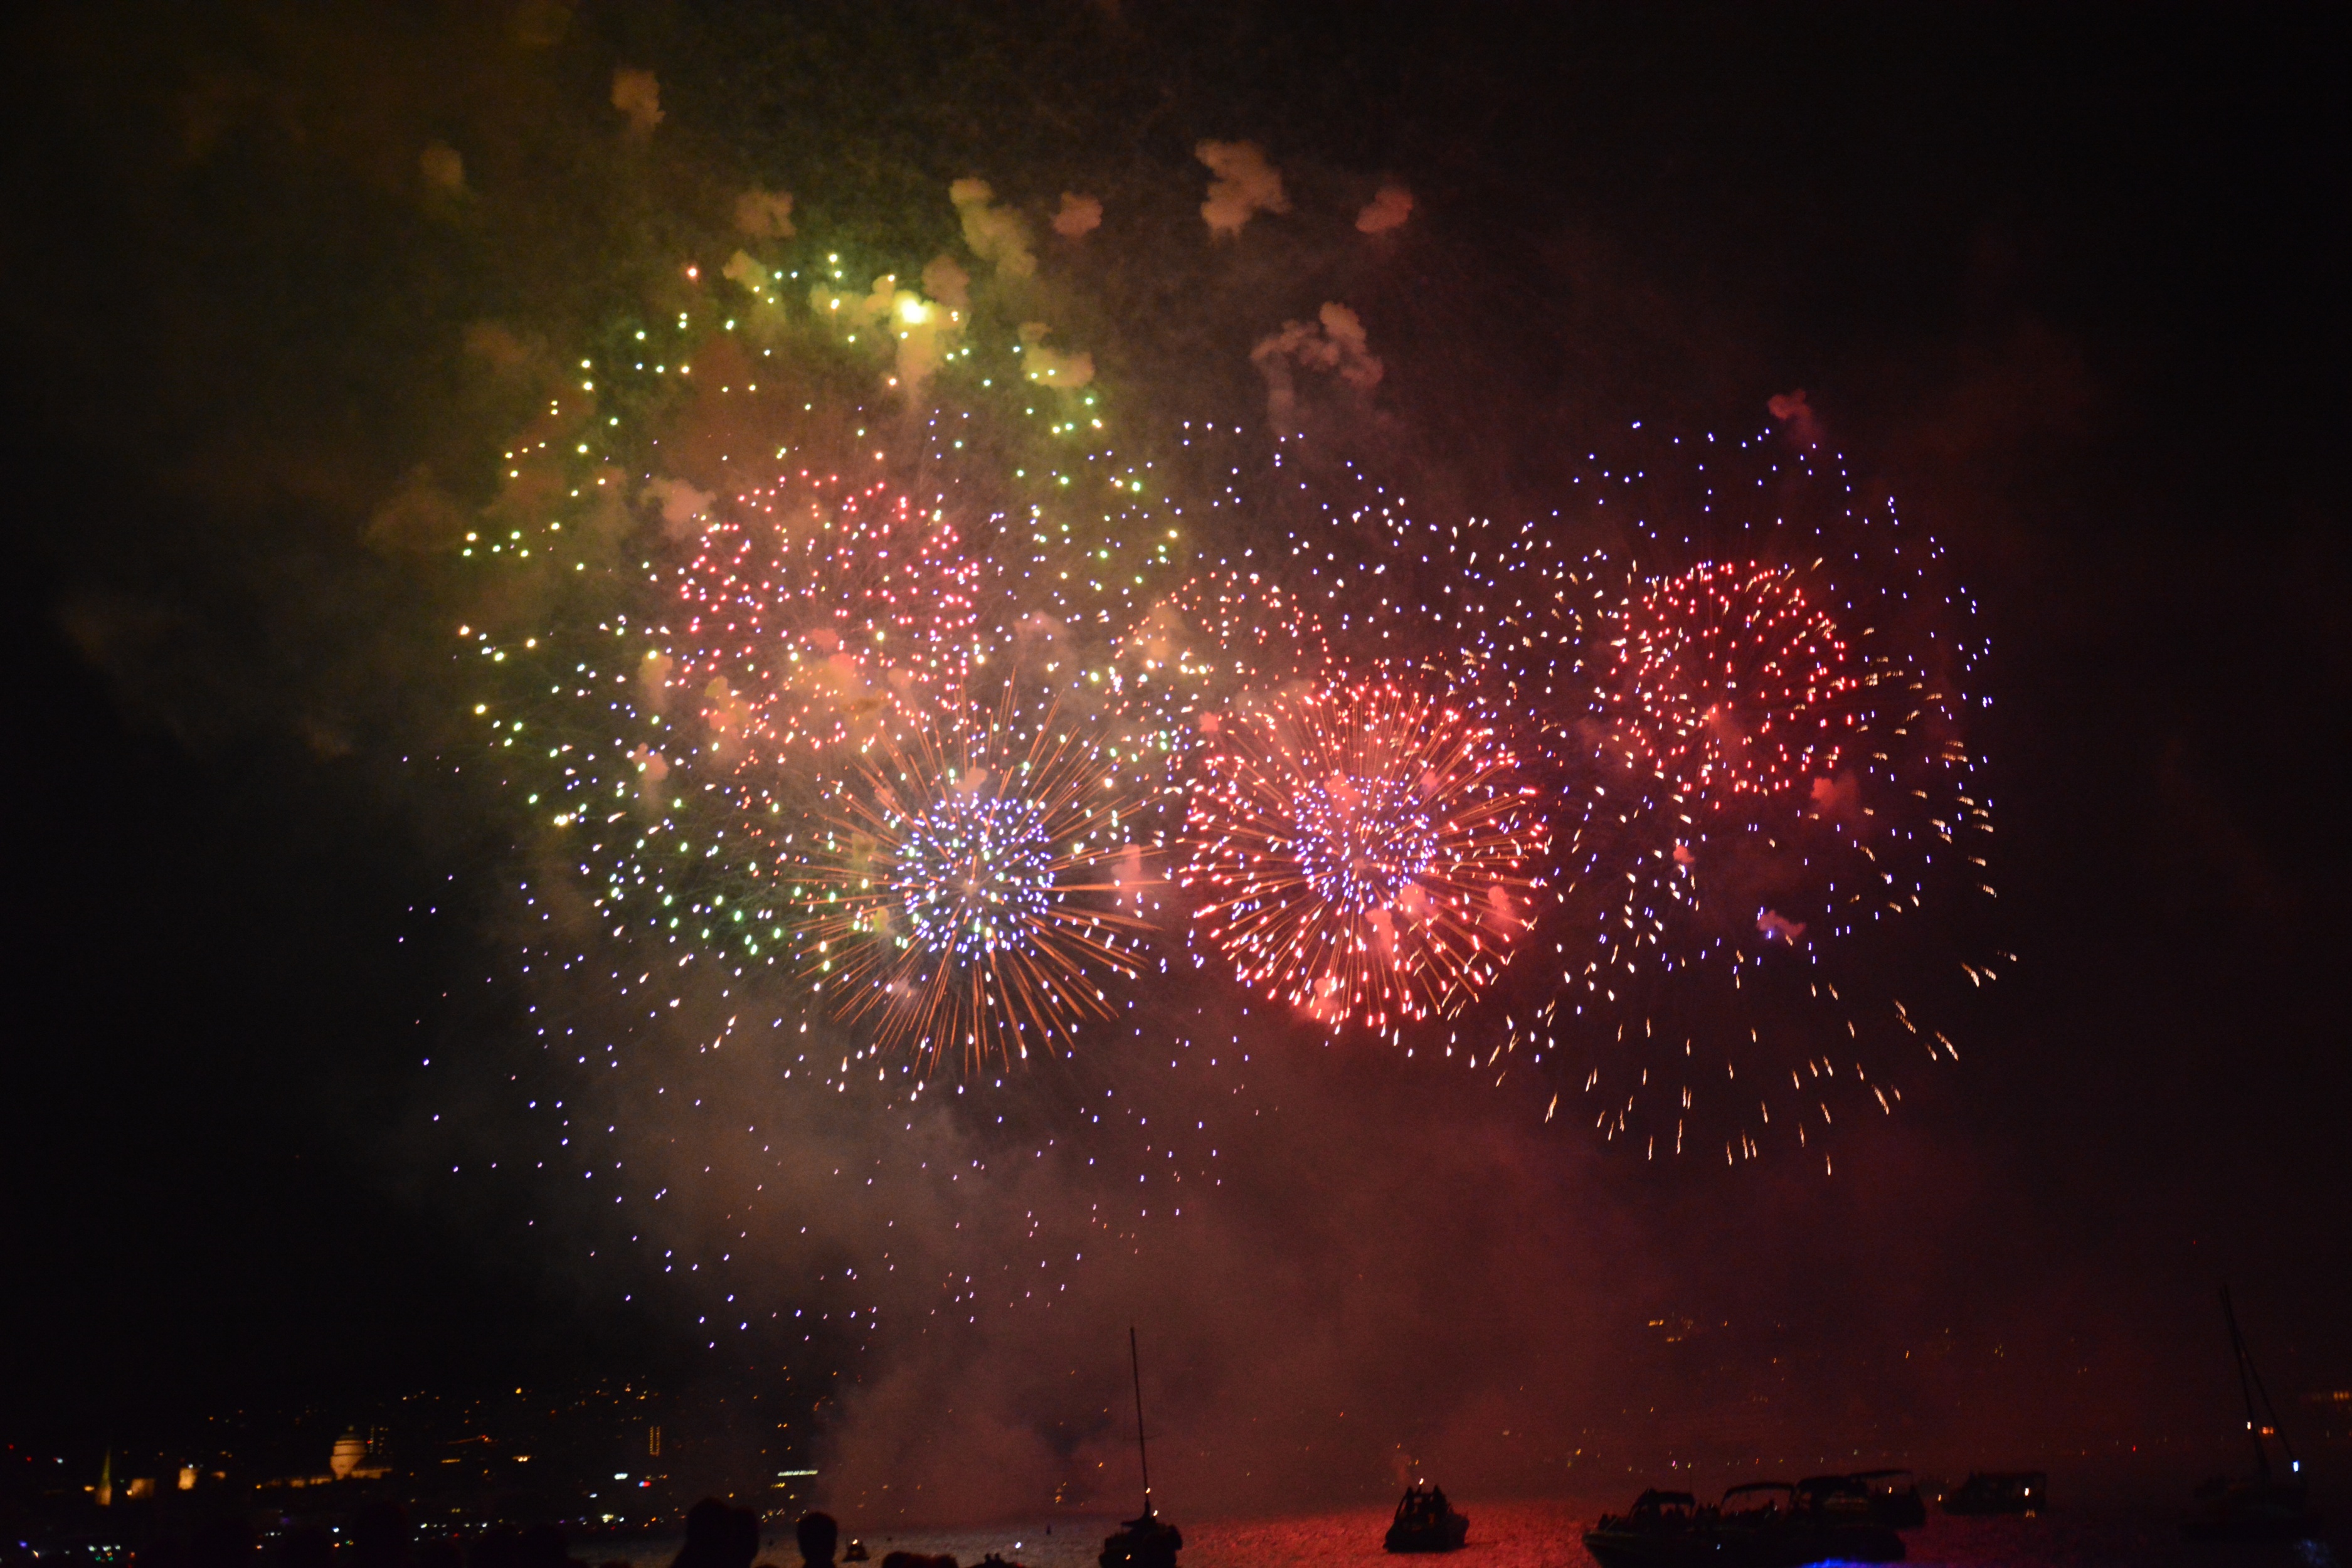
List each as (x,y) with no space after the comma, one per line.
(500,1547)
(309,1547)
(380,1536)
(222,1543)
(543,1546)
(743,1537)
(166,1550)
(718,1536)
(818,1535)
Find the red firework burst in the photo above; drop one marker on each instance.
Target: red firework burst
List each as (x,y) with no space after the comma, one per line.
(1731,680)
(1369,852)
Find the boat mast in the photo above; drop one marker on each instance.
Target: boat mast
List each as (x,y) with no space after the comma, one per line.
(1135,1367)
(2250,1382)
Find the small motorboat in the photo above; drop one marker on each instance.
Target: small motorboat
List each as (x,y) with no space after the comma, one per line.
(1762,1524)
(1999,1491)
(1752,1523)
(1425,1522)
(1821,1519)
(855,1551)
(1833,1500)
(1661,1530)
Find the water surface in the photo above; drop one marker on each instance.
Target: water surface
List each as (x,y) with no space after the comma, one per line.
(1522,1534)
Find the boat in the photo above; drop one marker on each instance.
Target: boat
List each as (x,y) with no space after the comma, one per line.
(1986,1492)
(1894,1499)
(1760,1524)
(1661,1530)
(1425,1522)
(1842,1499)
(1828,1518)
(1146,1541)
(2264,1506)
(1751,1520)
(1873,1500)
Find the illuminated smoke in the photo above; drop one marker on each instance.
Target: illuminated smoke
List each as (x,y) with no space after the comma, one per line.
(442,168)
(1079,216)
(637,95)
(1051,367)
(682,505)
(764,214)
(1387,210)
(1245,185)
(1333,344)
(1792,409)
(948,282)
(997,235)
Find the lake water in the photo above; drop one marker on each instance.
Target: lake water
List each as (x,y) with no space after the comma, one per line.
(1547,1535)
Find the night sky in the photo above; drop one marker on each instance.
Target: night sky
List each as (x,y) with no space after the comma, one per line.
(2071,287)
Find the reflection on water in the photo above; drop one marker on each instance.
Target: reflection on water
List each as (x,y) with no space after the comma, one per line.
(1548,1535)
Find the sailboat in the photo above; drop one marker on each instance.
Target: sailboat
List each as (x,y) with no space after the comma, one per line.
(1147,1541)
(2264,1506)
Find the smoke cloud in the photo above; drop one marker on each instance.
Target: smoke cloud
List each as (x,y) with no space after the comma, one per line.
(420,516)
(1387,210)
(948,282)
(764,214)
(443,169)
(1790,409)
(682,508)
(1079,216)
(997,235)
(1048,366)
(1334,344)
(637,95)
(1245,185)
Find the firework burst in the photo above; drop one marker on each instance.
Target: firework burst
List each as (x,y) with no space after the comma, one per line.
(751,547)
(816,614)
(1730,681)
(963,900)
(1782,816)
(1223,637)
(1368,852)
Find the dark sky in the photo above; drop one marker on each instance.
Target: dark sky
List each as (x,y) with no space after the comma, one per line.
(2070,286)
